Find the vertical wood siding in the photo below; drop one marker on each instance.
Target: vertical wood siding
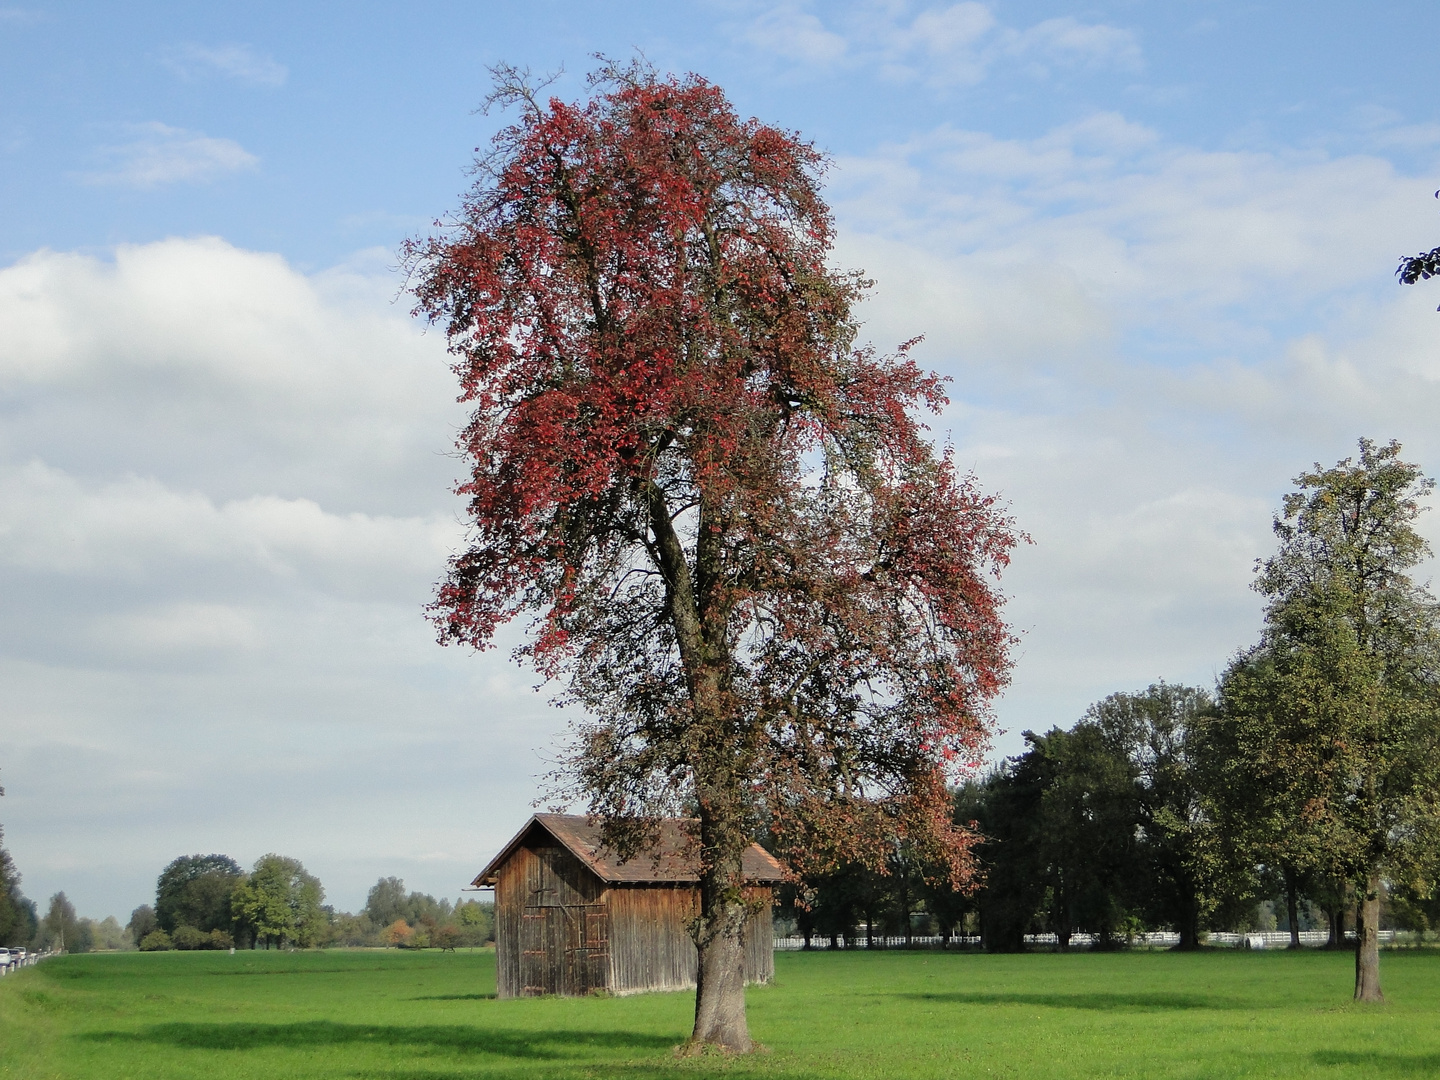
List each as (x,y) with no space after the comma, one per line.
(651,948)
(760,936)
(650,943)
(558,930)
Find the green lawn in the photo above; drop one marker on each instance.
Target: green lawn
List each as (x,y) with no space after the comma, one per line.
(425,1016)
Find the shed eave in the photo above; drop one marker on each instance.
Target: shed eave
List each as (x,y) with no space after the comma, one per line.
(763,869)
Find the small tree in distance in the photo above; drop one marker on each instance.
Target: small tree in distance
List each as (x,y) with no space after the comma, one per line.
(774,600)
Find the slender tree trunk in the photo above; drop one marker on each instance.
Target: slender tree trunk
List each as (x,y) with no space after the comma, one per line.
(720,991)
(1292,907)
(1189,926)
(1337,927)
(1367,942)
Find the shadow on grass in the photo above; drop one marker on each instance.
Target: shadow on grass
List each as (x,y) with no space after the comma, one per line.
(1381,1064)
(668,1070)
(514,1044)
(1138,1001)
(455,997)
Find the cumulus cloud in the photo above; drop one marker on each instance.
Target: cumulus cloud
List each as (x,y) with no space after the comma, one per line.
(52,523)
(224,501)
(795,34)
(1067,41)
(942,45)
(238,62)
(1204,245)
(157,154)
(274,382)
(1147,342)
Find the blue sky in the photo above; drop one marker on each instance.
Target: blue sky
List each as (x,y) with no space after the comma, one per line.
(1151,244)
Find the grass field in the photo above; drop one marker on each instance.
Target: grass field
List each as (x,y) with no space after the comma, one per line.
(426,1016)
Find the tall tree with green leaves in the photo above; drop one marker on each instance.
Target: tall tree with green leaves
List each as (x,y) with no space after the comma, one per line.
(282,902)
(1334,719)
(1161,731)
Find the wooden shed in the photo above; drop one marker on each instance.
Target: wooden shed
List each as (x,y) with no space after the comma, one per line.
(570,918)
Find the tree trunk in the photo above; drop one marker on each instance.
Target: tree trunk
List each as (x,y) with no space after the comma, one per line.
(1337,927)
(1292,907)
(1367,942)
(720,990)
(1189,927)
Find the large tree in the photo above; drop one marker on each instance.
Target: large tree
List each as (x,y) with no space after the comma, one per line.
(1161,730)
(1335,716)
(281,902)
(195,890)
(772,597)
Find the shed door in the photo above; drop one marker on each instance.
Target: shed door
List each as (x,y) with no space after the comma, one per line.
(563,933)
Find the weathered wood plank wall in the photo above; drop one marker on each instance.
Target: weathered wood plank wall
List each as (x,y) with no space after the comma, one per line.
(558,930)
(650,945)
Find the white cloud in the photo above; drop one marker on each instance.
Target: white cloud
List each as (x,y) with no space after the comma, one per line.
(238,62)
(157,154)
(795,34)
(1147,341)
(943,45)
(273,381)
(182,629)
(224,502)
(1205,246)
(142,530)
(1067,41)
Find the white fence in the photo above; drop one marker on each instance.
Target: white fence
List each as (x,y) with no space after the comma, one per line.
(1163,939)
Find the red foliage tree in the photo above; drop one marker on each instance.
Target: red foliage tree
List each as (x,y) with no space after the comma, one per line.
(773,599)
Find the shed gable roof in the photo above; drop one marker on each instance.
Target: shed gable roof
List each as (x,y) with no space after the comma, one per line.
(667,864)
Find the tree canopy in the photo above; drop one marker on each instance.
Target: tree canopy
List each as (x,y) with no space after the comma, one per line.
(282,902)
(772,597)
(195,890)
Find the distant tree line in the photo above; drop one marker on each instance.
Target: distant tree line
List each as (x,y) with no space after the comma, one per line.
(209,902)
(18,920)
(1120,825)
(1307,784)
